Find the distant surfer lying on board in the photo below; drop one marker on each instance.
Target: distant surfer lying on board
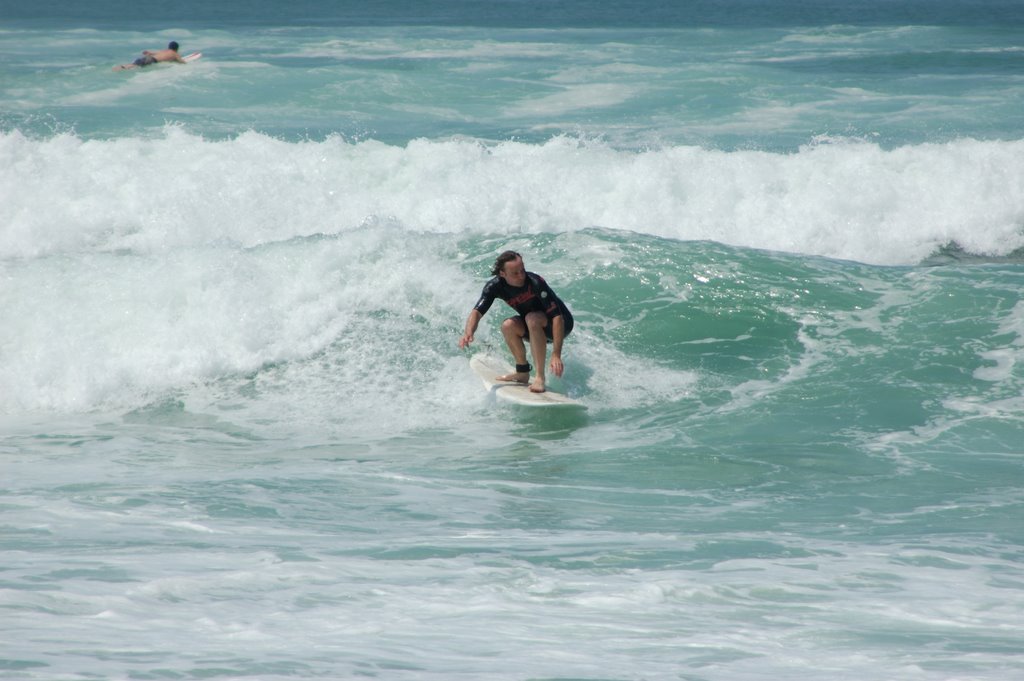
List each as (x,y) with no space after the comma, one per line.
(153,56)
(542,317)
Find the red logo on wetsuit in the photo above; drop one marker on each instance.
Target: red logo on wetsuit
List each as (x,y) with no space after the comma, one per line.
(523,297)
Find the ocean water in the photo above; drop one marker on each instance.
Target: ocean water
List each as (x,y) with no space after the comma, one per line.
(238,439)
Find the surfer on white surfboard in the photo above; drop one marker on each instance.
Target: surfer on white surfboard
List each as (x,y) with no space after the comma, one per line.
(542,317)
(154,56)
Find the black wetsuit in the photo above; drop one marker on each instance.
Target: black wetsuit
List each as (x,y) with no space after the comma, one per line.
(534,296)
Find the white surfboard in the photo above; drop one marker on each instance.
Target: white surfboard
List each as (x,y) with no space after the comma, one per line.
(192,57)
(488,369)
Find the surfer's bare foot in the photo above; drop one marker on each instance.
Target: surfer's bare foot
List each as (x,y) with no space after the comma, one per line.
(537,386)
(516,377)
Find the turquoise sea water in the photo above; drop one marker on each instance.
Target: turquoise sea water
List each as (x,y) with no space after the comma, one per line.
(237,438)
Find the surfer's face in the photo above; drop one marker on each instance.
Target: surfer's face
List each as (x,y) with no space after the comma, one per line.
(514,272)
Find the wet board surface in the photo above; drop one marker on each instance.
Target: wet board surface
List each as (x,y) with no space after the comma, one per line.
(489,368)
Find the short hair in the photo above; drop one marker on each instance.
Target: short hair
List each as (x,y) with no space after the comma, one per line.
(502,260)
(172,46)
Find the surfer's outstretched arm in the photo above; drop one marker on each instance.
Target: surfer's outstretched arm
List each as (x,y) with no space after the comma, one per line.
(557,336)
(472,322)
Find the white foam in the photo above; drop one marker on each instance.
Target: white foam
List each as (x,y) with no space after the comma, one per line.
(1006,358)
(843,199)
(573,98)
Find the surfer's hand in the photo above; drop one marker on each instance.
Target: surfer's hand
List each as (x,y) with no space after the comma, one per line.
(556,366)
(466,339)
